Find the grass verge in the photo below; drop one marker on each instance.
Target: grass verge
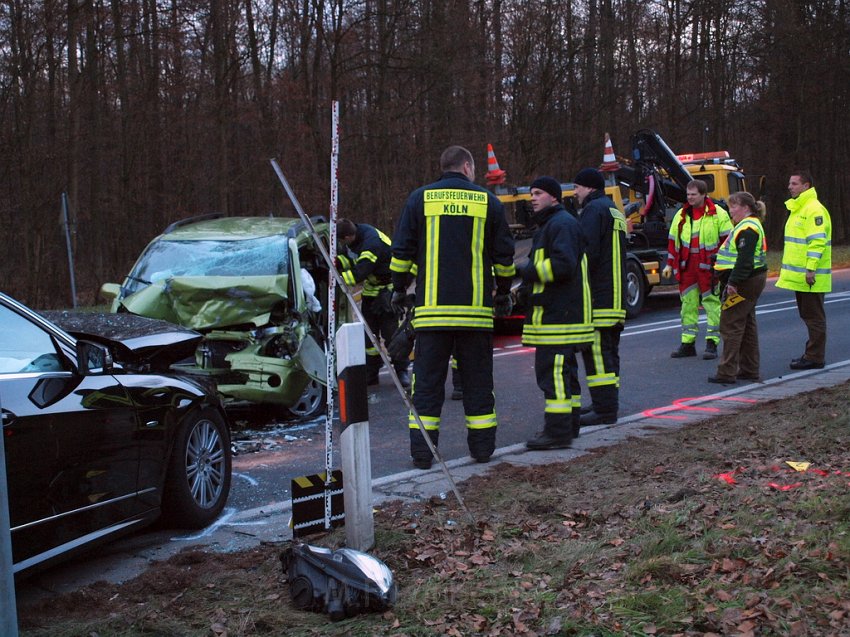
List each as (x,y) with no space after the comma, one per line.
(701,531)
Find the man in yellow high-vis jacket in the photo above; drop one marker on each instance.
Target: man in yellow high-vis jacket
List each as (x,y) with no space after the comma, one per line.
(807,264)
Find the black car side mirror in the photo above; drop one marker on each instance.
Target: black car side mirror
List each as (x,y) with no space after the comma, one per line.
(93,357)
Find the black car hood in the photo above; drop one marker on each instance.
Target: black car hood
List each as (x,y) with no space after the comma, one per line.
(132,339)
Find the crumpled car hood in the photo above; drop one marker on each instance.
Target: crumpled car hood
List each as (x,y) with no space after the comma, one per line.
(132,339)
(204,303)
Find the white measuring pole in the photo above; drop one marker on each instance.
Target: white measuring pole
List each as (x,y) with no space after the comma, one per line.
(330,341)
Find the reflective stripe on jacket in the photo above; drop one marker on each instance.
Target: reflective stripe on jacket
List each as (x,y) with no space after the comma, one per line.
(727,256)
(694,267)
(371,264)
(808,245)
(604,229)
(560,311)
(453,234)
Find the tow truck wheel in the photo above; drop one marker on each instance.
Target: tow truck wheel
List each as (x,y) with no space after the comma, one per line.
(635,288)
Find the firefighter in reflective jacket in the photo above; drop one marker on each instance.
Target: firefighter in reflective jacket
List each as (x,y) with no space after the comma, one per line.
(368,262)
(604,229)
(559,318)
(453,234)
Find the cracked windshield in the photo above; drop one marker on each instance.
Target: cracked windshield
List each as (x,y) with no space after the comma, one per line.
(251,257)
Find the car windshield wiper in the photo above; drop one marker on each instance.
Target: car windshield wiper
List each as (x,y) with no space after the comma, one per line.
(138,280)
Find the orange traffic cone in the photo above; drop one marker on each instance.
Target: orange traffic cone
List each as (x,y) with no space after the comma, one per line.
(609,160)
(495,175)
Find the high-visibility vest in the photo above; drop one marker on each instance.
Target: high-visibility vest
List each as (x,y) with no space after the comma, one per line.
(728,253)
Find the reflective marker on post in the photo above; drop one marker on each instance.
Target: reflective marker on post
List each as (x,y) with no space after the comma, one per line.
(354,438)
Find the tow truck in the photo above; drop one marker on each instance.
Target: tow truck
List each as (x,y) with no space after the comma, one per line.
(648,188)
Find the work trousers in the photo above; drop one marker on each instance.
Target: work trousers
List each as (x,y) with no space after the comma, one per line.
(383,322)
(691,300)
(602,367)
(557,376)
(739,332)
(810,307)
(474,352)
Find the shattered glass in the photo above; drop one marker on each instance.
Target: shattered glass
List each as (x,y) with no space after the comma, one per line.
(116,327)
(166,259)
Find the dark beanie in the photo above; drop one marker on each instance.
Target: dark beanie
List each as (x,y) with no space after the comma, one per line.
(548,184)
(590,178)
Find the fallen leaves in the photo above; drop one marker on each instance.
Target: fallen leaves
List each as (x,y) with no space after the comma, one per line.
(642,538)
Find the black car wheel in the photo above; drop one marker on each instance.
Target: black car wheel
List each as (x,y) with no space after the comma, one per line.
(311,402)
(635,288)
(198,480)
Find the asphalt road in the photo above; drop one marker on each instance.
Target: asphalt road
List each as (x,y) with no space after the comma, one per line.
(272,454)
(649,379)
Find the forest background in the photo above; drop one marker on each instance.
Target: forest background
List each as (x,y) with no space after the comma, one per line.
(147,111)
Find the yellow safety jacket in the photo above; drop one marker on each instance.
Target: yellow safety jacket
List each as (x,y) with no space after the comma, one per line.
(727,256)
(808,245)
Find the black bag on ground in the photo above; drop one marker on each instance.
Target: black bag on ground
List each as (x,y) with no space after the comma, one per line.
(341,583)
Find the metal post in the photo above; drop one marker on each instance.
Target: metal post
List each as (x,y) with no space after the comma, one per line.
(8,610)
(66,224)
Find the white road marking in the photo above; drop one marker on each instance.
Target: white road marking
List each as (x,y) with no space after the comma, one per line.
(675,324)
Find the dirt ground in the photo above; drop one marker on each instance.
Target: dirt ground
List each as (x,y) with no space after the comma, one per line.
(703,531)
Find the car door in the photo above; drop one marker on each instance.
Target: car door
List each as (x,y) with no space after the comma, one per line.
(70,439)
(310,355)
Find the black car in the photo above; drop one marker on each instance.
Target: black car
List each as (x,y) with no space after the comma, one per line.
(100,438)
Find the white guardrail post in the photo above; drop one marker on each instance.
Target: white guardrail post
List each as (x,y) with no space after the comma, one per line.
(354,437)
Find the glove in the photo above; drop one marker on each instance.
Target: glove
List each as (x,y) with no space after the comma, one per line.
(502,305)
(667,271)
(529,273)
(400,302)
(401,344)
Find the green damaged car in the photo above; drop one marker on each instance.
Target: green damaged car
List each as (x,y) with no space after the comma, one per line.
(252,286)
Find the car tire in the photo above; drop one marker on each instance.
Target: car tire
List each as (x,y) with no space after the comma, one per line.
(311,403)
(198,479)
(636,288)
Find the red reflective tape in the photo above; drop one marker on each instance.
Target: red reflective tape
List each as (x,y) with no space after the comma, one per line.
(343,401)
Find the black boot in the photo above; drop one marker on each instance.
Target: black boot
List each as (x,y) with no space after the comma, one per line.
(403,377)
(545,440)
(419,451)
(593,418)
(685,350)
(710,350)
